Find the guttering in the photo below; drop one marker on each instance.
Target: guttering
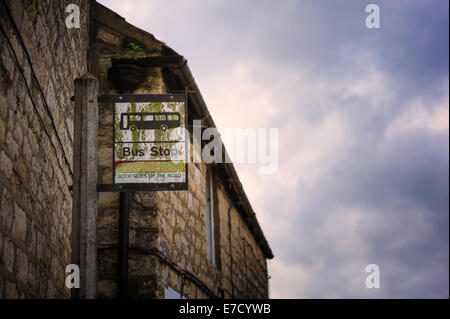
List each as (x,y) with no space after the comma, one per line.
(184,73)
(154,61)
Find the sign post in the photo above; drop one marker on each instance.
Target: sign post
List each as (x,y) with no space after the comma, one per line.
(84,213)
(150,153)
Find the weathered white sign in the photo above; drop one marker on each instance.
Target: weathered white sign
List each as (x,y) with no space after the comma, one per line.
(150,145)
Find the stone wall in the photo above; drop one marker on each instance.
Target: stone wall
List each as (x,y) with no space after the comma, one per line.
(167,229)
(36,133)
(240,269)
(243,263)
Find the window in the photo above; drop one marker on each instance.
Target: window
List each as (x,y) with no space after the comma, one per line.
(170,293)
(209,216)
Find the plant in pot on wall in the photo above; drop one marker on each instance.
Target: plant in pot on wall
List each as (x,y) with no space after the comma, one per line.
(128,74)
(135,50)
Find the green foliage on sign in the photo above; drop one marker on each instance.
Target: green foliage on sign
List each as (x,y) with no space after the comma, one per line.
(151,167)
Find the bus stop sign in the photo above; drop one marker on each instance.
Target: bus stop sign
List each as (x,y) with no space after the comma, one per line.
(150,141)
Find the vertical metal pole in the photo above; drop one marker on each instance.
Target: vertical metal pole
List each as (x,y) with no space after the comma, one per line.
(122,266)
(84,212)
(122,284)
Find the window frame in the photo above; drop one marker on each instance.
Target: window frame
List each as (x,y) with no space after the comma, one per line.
(209,218)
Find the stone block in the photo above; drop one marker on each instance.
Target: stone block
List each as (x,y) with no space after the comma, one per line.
(6,166)
(2,129)
(11,290)
(7,209)
(13,148)
(22,266)
(20,224)
(8,254)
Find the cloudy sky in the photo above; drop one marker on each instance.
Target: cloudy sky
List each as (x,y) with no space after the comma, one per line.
(363,122)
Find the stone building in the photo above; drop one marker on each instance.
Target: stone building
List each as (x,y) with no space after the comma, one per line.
(204,242)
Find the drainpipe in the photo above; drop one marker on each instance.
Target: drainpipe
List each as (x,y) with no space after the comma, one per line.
(231,254)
